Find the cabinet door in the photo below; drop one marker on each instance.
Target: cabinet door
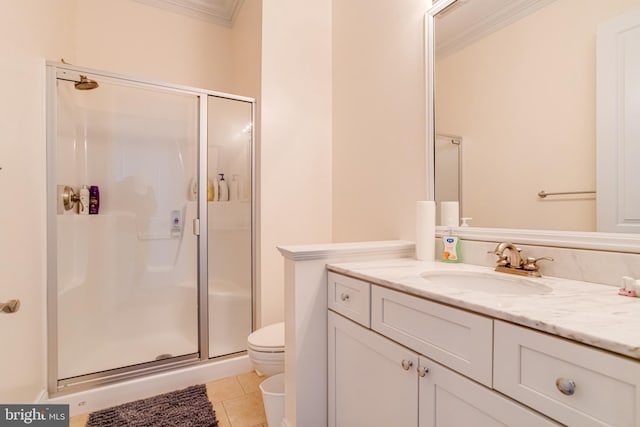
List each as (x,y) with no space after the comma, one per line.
(448,399)
(372,381)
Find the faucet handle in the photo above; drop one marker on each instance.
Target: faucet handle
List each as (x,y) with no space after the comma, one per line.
(531,264)
(503,260)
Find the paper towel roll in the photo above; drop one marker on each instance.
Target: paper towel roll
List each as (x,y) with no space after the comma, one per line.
(425,230)
(450,214)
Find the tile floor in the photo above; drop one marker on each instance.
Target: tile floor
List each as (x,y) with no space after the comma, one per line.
(236,400)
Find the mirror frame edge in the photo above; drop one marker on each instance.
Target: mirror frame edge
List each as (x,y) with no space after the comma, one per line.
(589,240)
(429,55)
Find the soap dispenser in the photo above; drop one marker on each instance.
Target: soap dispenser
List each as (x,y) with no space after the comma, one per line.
(223,188)
(451,252)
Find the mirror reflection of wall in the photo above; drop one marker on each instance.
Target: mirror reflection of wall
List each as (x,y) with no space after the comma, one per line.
(524,99)
(448,149)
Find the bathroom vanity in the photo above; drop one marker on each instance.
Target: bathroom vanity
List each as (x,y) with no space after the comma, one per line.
(414,343)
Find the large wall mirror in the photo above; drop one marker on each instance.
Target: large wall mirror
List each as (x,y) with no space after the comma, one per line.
(519,83)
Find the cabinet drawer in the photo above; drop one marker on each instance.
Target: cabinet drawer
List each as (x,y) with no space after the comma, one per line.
(598,388)
(350,297)
(456,338)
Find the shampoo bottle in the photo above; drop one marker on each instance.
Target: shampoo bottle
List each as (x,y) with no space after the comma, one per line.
(94,200)
(83,209)
(451,252)
(216,189)
(211,192)
(224,189)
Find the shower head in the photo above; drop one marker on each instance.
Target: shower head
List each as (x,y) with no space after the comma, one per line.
(86,83)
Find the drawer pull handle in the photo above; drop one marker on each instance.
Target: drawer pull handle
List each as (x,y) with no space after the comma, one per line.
(344,297)
(422,371)
(407,364)
(565,386)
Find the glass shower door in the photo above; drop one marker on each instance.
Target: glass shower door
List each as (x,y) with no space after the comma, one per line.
(126,269)
(229,151)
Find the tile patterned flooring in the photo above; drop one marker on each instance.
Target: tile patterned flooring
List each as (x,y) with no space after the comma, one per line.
(236,400)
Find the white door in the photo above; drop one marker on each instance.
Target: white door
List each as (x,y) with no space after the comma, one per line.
(22,230)
(372,381)
(448,399)
(618,127)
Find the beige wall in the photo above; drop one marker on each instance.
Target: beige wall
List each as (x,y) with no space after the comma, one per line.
(523,99)
(133,38)
(378,118)
(29,32)
(295,151)
(120,36)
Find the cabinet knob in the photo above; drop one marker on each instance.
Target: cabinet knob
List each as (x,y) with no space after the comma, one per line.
(407,364)
(566,386)
(422,371)
(344,297)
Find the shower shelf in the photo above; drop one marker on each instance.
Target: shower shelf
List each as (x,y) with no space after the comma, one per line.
(229,228)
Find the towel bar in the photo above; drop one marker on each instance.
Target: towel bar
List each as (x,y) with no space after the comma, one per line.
(542,194)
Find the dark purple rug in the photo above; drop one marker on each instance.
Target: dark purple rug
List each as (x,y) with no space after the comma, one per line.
(188,407)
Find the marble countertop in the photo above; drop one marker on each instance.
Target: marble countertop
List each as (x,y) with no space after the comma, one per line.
(585,312)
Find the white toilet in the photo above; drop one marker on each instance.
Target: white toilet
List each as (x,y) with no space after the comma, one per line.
(266,349)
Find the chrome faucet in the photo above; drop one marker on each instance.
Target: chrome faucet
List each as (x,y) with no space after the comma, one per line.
(513,263)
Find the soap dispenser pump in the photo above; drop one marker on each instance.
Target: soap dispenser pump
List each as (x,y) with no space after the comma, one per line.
(224,188)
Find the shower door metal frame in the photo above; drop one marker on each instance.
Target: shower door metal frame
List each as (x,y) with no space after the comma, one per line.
(55,386)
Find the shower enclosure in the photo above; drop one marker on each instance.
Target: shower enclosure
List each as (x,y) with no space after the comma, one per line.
(149,268)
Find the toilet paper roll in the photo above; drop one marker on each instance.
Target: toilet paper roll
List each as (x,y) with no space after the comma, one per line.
(450,214)
(425,230)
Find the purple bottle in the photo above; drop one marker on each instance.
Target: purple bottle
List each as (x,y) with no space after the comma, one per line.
(94,200)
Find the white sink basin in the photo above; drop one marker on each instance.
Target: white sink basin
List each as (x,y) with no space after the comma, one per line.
(492,283)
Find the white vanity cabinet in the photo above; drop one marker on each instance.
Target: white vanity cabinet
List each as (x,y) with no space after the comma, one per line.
(382,377)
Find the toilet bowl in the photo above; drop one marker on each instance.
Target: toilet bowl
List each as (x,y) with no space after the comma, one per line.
(266,349)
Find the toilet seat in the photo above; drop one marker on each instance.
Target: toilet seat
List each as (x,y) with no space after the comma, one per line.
(269,339)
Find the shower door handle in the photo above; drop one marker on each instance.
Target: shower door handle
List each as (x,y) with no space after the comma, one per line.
(10,306)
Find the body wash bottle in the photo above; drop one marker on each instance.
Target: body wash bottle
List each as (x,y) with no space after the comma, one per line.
(83,208)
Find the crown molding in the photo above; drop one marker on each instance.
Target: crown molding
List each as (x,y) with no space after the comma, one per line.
(477,27)
(221,12)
